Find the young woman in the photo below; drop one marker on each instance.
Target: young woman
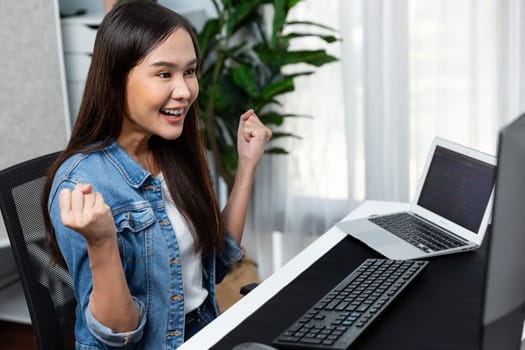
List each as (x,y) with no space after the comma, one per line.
(129,205)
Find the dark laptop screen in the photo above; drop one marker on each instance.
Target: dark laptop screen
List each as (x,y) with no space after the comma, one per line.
(457,188)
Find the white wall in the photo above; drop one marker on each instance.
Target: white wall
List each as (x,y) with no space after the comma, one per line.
(32,116)
(32,92)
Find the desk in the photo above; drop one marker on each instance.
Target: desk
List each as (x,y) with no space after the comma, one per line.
(418,320)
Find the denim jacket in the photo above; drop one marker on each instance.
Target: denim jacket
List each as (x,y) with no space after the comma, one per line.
(148,250)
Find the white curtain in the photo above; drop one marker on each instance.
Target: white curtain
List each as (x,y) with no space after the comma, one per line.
(512,60)
(409,70)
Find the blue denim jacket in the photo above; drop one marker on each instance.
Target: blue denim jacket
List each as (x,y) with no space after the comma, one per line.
(148,249)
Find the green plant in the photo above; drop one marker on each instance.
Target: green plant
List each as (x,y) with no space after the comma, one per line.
(243,68)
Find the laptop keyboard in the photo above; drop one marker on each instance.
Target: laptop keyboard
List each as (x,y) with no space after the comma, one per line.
(416,232)
(343,313)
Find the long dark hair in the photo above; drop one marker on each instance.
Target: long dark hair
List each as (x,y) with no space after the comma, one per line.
(126,35)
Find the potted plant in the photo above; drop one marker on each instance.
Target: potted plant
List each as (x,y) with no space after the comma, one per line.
(242,68)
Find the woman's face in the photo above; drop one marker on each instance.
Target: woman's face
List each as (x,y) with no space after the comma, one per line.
(160,90)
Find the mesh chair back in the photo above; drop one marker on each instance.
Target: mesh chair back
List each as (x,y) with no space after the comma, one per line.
(47,287)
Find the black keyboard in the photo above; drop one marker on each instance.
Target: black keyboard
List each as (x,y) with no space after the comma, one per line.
(417,232)
(343,313)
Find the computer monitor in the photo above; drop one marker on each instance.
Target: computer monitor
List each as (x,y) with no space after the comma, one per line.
(504,293)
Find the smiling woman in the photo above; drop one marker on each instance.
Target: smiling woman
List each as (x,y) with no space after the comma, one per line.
(130,199)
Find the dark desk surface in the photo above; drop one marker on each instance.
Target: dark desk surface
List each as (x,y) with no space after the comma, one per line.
(441,310)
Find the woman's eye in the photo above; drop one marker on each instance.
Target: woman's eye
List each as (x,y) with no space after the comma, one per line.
(165,75)
(190,71)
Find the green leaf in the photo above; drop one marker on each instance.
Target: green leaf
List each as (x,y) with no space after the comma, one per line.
(279,134)
(243,77)
(326,38)
(279,18)
(261,103)
(299,74)
(282,57)
(292,3)
(276,150)
(277,88)
(239,12)
(208,32)
(230,98)
(309,23)
(276,118)
(273,118)
(233,52)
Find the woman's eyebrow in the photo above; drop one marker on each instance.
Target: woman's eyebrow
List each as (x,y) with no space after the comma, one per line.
(171,64)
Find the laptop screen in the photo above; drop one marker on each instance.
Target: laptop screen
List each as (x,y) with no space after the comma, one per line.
(458,188)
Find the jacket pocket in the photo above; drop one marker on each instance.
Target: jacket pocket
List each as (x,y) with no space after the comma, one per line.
(134,230)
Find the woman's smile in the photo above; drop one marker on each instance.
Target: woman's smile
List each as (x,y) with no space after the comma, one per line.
(173,115)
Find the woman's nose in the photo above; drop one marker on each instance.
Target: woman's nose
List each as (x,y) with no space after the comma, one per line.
(180,90)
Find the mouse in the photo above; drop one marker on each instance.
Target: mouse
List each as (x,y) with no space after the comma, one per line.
(253,346)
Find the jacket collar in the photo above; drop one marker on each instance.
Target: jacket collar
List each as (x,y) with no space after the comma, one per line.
(134,174)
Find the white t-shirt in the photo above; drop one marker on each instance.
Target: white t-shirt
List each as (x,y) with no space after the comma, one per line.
(194,292)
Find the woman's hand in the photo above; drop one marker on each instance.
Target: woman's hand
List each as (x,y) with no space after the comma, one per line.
(252,137)
(86,212)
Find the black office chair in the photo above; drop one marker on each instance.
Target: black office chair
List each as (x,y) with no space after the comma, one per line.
(47,287)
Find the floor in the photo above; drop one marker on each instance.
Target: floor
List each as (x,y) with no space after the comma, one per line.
(16,336)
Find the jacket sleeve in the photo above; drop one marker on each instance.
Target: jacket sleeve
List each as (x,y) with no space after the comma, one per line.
(112,339)
(74,250)
(230,254)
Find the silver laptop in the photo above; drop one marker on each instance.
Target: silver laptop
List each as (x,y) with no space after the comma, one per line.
(449,213)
